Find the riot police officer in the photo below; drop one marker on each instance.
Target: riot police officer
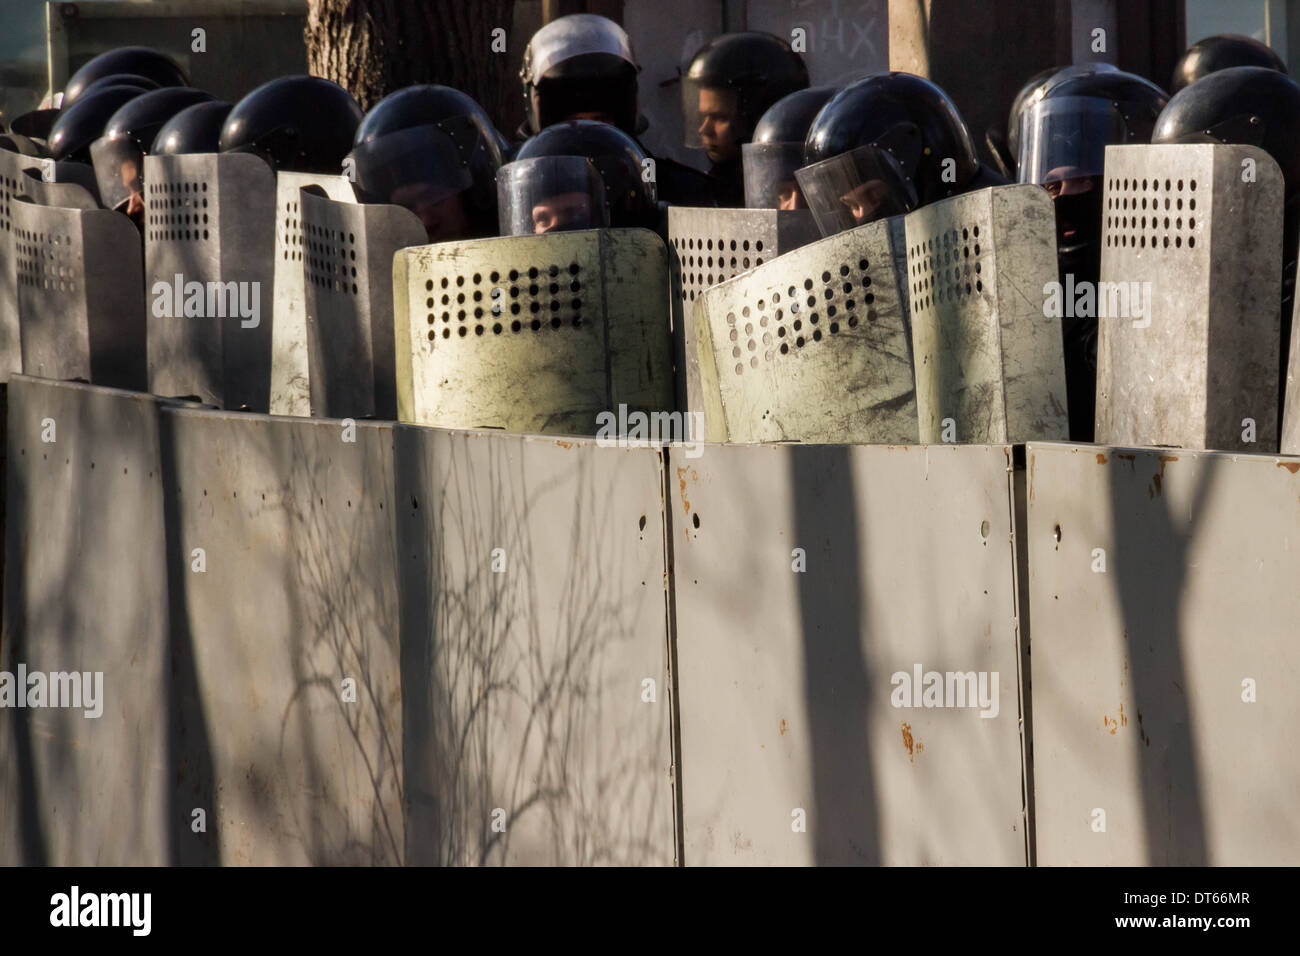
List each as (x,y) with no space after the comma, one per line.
(118,154)
(884,145)
(731,82)
(776,150)
(1219,53)
(629,196)
(433,150)
(1253,106)
(1063,140)
(582,66)
(301,124)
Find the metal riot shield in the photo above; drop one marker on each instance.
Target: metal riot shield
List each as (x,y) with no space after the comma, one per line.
(990,367)
(69,195)
(209,247)
(348,272)
(80,294)
(706,247)
(12,184)
(290,391)
(1190,297)
(533,334)
(812,346)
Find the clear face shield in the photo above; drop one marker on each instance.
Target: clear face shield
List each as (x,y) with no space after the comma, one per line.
(769,175)
(119,172)
(854,188)
(1063,142)
(550,194)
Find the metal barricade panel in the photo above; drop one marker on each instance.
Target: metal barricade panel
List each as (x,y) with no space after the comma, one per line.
(708,246)
(80,295)
(534,334)
(290,388)
(1163,597)
(209,221)
(986,357)
(535,682)
(349,315)
(12,166)
(813,346)
(1183,230)
(811,586)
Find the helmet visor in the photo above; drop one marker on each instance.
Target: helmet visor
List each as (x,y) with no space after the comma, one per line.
(550,194)
(854,188)
(1066,138)
(769,175)
(119,170)
(423,161)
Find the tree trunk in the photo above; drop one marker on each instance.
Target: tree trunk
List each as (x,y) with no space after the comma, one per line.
(374,47)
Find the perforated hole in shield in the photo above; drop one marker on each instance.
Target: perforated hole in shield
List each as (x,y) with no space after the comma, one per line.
(784,320)
(1151,212)
(177,211)
(8,189)
(947,268)
(289,233)
(331,258)
(506,301)
(708,260)
(45,261)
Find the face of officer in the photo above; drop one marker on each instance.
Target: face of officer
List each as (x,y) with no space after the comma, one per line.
(561,211)
(718,125)
(789,195)
(130,174)
(1071,192)
(444,219)
(864,199)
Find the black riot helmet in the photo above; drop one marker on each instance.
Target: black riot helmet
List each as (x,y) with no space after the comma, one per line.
(1034,90)
(301,124)
(82,123)
(434,150)
(118,154)
(1220,53)
(134,60)
(195,129)
(616,156)
(124,79)
(731,82)
(883,145)
(776,150)
(550,194)
(580,64)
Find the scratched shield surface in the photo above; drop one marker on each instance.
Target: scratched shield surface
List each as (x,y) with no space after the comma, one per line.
(1163,595)
(534,651)
(785,674)
(85,590)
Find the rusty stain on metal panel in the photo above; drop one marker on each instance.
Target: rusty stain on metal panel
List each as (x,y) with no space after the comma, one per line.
(1291,466)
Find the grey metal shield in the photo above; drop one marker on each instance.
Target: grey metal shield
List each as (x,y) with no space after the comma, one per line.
(990,367)
(348,262)
(534,334)
(12,182)
(812,346)
(1201,250)
(706,247)
(69,195)
(290,391)
(80,294)
(209,246)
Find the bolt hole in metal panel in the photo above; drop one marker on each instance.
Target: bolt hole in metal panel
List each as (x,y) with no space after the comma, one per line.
(1191,226)
(290,366)
(814,576)
(706,247)
(12,166)
(812,346)
(209,219)
(80,294)
(532,334)
(986,356)
(345,246)
(1164,655)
